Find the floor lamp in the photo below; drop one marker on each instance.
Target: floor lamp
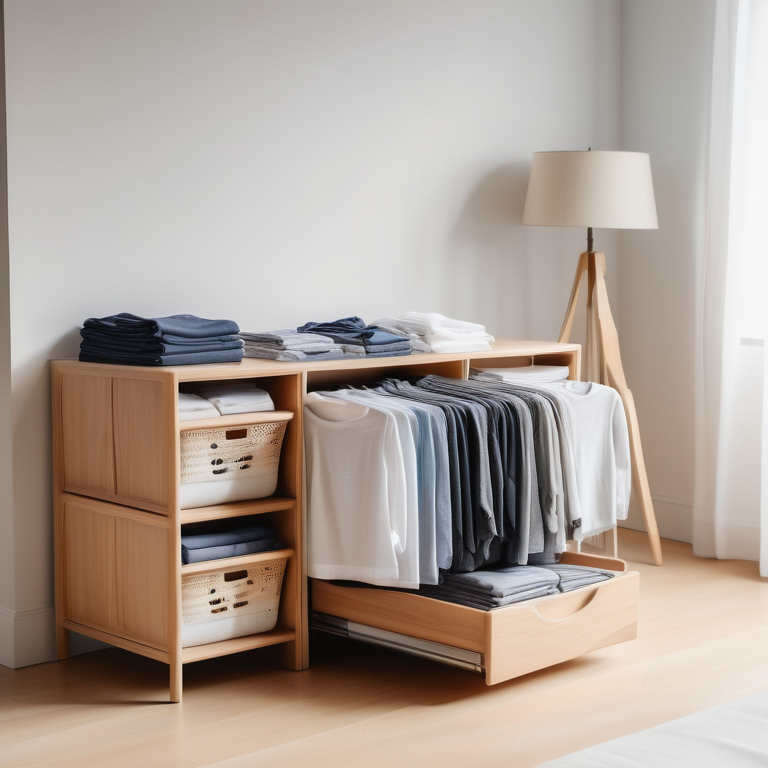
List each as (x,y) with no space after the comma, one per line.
(610,190)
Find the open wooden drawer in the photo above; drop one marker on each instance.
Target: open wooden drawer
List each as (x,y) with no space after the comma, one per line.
(510,641)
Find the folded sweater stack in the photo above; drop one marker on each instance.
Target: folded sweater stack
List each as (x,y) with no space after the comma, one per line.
(128,339)
(192,407)
(358,338)
(392,325)
(575,576)
(443,334)
(234,396)
(489,589)
(289,345)
(230,538)
(209,399)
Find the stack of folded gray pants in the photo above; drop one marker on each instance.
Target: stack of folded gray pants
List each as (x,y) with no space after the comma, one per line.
(493,589)
(288,345)
(489,589)
(575,576)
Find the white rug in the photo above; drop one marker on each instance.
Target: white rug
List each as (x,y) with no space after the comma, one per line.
(733,735)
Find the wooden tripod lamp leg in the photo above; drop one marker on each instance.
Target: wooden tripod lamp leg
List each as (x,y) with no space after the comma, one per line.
(612,374)
(565,331)
(640,477)
(615,372)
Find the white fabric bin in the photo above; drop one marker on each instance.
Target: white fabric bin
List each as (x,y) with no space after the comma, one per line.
(220,606)
(225,464)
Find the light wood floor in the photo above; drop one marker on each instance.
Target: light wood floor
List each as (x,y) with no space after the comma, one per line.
(703,640)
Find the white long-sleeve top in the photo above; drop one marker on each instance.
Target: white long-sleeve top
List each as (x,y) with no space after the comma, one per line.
(357,492)
(601,453)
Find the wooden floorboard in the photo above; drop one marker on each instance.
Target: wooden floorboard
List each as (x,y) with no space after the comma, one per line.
(703,640)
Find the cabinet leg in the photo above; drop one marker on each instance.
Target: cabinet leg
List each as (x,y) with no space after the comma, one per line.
(176,680)
(290,654)
(62,642)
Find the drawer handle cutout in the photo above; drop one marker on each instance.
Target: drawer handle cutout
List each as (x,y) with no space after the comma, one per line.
(236,434)
(556,611)
(235,575)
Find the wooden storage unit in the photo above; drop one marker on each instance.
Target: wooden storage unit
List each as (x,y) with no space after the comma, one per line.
(117,516)
(118,521)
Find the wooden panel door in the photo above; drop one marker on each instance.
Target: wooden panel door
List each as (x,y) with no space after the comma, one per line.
(142,447)
(86,423)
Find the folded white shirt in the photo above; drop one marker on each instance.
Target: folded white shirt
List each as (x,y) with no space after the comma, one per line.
(468,345)
(235,397)
(541,374)
(193,407)
(446,334)
(433,322)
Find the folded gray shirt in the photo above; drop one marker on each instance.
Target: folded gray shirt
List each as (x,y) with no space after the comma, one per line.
(289,338)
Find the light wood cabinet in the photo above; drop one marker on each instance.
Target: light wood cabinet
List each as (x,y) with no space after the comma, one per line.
(118,520)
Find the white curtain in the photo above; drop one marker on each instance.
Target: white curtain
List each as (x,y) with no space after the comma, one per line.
(731,498)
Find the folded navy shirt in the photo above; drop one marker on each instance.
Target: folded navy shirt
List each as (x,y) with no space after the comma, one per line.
(228,538)
(156,347)
(228,532)
(191,358)
(127,339)
(352,330)
(228,550)
(187,326)
(98,336)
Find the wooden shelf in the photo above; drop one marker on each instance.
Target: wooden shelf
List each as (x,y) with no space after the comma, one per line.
(117,450)
(236,644)
(233,563)
(236,509)
(236,420)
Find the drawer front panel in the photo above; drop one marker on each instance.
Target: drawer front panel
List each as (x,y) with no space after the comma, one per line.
(550,630)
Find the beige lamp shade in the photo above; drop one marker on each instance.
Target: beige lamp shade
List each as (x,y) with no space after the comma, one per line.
(611,190)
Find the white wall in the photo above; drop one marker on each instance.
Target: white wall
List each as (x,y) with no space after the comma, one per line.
(7,555)
(277,162)
(666,64)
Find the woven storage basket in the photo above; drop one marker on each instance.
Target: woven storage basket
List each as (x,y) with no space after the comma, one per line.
(229,464)
(219,606)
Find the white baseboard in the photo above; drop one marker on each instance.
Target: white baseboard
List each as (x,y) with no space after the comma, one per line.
(674,516)
(29,637)
(6,637)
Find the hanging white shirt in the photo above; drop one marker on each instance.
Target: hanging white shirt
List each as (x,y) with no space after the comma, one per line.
(600,452)
(356,492)
(409,566)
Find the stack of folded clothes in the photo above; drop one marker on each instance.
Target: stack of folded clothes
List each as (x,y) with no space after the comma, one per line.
(176,340)
(489,589)
(575,576)
(193,407)
(391,325)
(358,338)
(289,345)
(444,334)
(227,538)
(228,397)
(533,374)
(493,589)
